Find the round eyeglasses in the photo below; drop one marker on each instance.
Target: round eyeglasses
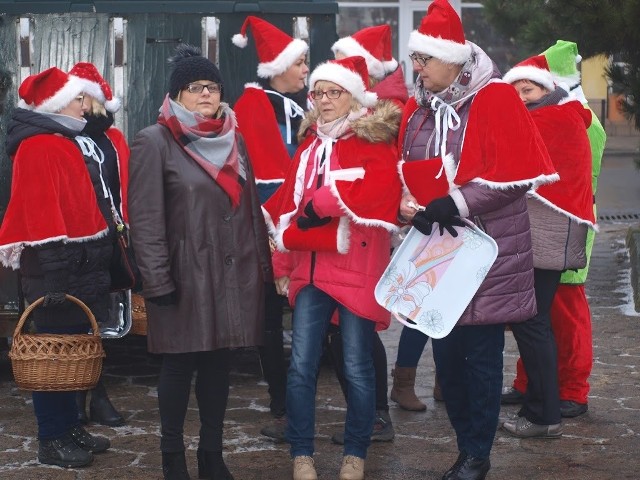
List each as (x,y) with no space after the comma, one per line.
(198,88)
(421,60)
(331,94)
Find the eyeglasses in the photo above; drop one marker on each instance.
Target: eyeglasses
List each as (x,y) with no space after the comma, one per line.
(331,94)
(421,60)
(198,88)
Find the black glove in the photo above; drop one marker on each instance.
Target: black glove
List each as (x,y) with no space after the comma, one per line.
(55,286)
(442,211)
(312,219)
(54,299)
(165,300)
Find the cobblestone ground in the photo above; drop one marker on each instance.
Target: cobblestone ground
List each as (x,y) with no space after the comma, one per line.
(602,444)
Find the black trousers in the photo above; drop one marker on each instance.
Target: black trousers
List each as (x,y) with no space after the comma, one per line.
(274,366)
(469,366)
(539,354)
(212,392)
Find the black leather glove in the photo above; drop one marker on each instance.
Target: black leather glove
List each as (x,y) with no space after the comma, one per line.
(55,286)
(442,211)
(165,300)
(312,219)
(54,299)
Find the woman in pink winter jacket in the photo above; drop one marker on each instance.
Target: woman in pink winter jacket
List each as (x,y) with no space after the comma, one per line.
(331,221)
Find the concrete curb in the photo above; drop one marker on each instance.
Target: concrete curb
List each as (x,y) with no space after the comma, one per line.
(633,244)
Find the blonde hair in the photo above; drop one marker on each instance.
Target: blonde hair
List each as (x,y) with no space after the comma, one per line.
(97,108)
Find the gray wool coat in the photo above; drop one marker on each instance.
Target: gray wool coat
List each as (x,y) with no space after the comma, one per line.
(187,238)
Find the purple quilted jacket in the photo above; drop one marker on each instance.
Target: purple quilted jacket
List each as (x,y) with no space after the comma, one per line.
(506,295)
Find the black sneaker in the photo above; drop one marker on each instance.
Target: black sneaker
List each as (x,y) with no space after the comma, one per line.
(85,440)
(63,452)
(511,396)
(382,430)
(276,429)
(570,409)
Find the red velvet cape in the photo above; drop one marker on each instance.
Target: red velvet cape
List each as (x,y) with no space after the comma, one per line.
(52,198)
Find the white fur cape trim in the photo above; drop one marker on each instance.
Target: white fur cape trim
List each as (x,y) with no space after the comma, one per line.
(369,222)
(10,254)
(541,199)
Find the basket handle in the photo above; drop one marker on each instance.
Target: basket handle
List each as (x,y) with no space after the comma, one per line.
(38,302)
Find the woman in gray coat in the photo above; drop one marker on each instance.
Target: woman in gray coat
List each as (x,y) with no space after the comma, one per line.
(202,249)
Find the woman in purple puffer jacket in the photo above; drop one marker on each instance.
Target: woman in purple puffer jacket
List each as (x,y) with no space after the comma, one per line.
(466,130)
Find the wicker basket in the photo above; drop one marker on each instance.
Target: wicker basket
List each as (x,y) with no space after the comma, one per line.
(56,362)
(138,315)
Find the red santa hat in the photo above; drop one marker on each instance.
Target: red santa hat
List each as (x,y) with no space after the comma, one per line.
(535,69)
(374,45)
(351,74)
(49,91)
(440,35)
(95,85)
(277,51)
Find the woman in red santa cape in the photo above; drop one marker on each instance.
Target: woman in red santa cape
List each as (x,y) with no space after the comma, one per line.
(470,149)
(58,231)
(560,215)
(331,225)
(386,80)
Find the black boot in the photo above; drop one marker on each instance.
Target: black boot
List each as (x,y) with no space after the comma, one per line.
(274,370)
(81,403)
(451,472)
(211,465)
(63,452)
(472,468)
(85,440)
(100,408)
(174,466)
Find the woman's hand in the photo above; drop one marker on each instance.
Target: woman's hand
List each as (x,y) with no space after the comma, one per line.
(408,207)
(282,285)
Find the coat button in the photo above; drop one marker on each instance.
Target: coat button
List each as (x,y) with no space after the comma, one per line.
(227,218)
(228,260)
(363,244)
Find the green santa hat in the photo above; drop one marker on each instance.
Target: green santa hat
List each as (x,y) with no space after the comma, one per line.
(563,59)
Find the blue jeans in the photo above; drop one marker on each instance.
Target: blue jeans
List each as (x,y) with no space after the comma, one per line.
(469,366)
(56,412)
(311,318)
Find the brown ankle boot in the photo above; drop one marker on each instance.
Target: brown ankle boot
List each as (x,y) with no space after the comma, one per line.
(437,391)
(404,380)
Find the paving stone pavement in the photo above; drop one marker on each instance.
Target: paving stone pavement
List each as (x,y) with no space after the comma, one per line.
(600,445)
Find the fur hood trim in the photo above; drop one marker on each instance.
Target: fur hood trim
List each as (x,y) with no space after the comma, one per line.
(381,124)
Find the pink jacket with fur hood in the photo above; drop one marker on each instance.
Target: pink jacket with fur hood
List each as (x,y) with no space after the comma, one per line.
(345,258)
